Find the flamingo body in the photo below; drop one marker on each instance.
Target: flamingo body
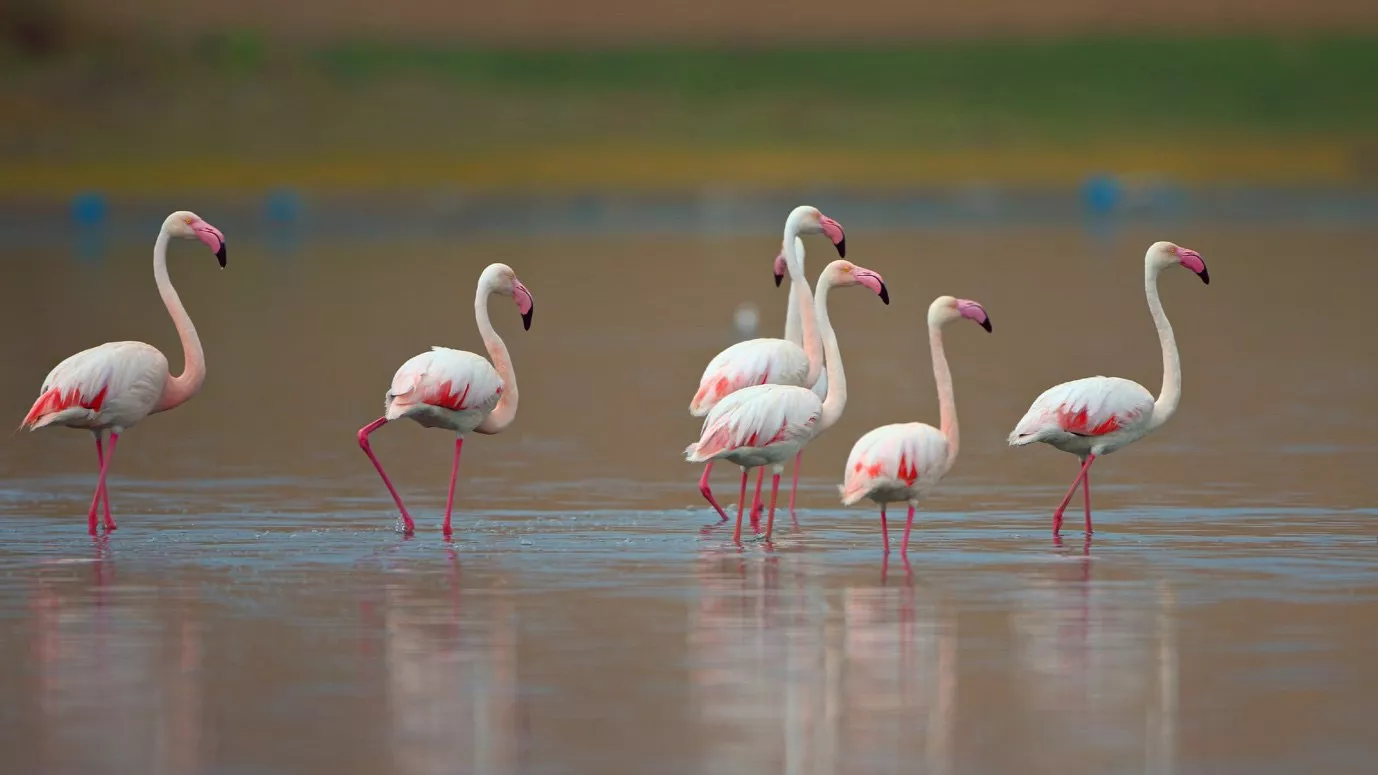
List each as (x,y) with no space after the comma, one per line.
(1094,415)
(758,426)
(114,385)
(744,364)
(895,463)
(444,388)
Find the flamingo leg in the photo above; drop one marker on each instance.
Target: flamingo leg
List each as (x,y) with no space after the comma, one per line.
(708,492)
(364,432)
(904,548)
(100,483)
(756,501)
(454,475)
(774,494)
(1061,507)
(884,530)
(1086,498)
(741,504)
(794,487)
(105,491)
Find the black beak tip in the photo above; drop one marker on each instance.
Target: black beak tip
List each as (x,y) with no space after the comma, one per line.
(986,324)
(842,248)
(526,319)
(1205,276)
(779,278)
(884,293)
(220,255)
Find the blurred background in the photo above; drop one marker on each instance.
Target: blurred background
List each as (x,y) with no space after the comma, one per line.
(634,163)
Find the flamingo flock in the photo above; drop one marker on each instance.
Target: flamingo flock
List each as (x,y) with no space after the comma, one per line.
(762,400)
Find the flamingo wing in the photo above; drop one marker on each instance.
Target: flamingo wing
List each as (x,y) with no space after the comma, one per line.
(117,381)
(448,379)
(756,417)
(1093,406)
(900,456)
(753,362)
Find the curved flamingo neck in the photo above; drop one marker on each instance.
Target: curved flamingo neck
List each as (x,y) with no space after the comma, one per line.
(947,403)
(802,300)
(1171,394)
(179,389)
(837,380)
(793,330)
(506,410)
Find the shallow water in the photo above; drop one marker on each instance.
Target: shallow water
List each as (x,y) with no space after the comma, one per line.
(257,613)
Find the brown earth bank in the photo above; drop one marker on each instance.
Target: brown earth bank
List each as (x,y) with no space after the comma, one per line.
(629,21)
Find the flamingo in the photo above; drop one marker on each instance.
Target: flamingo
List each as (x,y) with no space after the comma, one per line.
(115,385)
(770,361)
(1097,415)
(768,424)
(905,461)
(457,390)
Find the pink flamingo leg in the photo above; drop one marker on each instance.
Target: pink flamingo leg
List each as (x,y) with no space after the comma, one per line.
(741,503)
(454,474)
(363,444)
(774,494)
(884,530)
(100,483)
(708,492)
(1086,498)
(756,501)
(1061,507)
(904,548)
(104,491)
(794,488)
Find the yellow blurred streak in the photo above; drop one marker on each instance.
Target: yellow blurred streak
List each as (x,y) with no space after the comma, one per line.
(570,169)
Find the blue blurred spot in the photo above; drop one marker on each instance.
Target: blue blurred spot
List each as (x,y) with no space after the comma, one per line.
(282,206)
(1101,194)
(89,209)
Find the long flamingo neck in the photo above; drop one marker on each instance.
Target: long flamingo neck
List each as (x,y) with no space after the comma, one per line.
(837,380)
(1171,394)
(793,330)
(799,289)
(947,402)
(506,410)
(179,389)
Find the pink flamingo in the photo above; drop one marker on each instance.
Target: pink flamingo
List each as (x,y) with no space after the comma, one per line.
(115,385)
(457,390)
(1097,415)
(769,424)
(770,361)
(905,461)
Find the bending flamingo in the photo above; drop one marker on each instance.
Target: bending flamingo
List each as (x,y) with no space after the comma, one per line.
(903,462)
(457,390)
(1097,415)
(770,361)
(115,385)
(768,424)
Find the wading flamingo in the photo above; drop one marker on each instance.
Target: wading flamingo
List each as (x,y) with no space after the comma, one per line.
(457,390)
(1097,415)
(902,462)
(117,384)
(768,424)
(770,361)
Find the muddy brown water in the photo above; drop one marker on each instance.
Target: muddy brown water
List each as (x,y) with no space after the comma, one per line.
(257,613)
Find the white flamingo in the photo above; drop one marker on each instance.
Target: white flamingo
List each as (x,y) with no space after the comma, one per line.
(1097,415)
(902,462)
(769,424)
(115,385)
(770,361)
(457,390)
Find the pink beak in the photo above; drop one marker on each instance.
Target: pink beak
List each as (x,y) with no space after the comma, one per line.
(1192,260)
(780,269)
(972,310)
(213,239)
(525,304)
(834,231)
(873,281)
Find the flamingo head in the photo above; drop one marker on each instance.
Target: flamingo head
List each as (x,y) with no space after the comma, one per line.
(946,309)
(1165,254)
(188,225)
(843,273)
(499,278)
(808,220)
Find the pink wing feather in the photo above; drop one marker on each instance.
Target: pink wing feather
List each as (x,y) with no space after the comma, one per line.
(118,382)
(1093,406)
(753,362)
(449,379)
(756,417)
(903,455)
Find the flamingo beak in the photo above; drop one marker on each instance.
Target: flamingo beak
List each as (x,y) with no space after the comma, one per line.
(973,311)
(1192,260)
(213,239)
(834,231)
(779,269)
(525,304)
